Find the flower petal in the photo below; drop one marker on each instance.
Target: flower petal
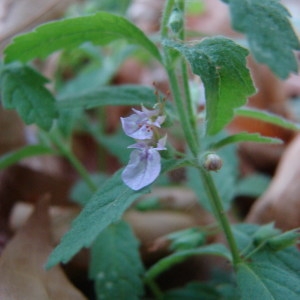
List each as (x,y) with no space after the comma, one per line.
(136,127)
(143,168)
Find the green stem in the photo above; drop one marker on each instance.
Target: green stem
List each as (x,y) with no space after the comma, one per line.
(219,212)
(154,288)
(190,134)
(66,151)
(186,116)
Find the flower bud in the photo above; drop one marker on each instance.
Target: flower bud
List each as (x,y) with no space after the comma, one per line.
(176,21)
(212,162)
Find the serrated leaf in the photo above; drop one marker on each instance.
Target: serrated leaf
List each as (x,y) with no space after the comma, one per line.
(221,64)
(274,274)
(23,89)
(104,208)
(177,257)
(109,95)
(116,265)
(271,37)
(266,117)
(266,281)
(100,29)
(13,157)
(245,137)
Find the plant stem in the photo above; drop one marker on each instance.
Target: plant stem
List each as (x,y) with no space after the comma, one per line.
(154,288)
(187,119)
(66,151)
(220,214)
(190,134)
(184,73)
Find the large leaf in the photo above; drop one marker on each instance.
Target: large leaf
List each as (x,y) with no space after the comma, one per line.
(269,32)
(100,29)
(266,281)
(221,64)
(104,208)
(116,265)
(271,274)
(23,89)
(109,95)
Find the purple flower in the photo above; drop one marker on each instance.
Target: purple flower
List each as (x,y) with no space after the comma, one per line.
(140,124)
(144,164)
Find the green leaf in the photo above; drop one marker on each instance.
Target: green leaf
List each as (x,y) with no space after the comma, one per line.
(221,64)
(266,281)
(180,256)
(13,157)
(266,117)
(81,192)
(194,291)
(271,37)
(116,265)
(245,137)
(253,185)
(23,89)
(104,208)
(109,95)
(100,29)
(271,274)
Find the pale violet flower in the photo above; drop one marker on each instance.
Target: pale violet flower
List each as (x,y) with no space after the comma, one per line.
(140,124)
(144,164)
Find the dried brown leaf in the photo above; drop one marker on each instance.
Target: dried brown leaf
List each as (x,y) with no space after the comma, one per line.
(281,201)
(22,273)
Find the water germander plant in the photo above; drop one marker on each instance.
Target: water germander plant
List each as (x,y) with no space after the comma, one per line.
(264,262)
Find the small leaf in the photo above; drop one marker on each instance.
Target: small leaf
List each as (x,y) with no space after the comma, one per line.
(100,29)
(221,64)
(267,117)
(180,256)
(245,137)
(109,95)
(23,89)
(116,265)
(271,37)
(11,158)
(104,208)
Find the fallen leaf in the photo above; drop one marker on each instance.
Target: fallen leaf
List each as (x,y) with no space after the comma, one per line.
(22,273)
(281,201)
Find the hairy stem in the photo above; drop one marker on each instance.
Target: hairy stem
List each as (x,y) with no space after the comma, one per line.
(219,212)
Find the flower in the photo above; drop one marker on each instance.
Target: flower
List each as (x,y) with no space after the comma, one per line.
(140,125)
(144,164)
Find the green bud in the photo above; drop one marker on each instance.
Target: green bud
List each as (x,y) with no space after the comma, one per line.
(176,21)
(283,240)
(264,233)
